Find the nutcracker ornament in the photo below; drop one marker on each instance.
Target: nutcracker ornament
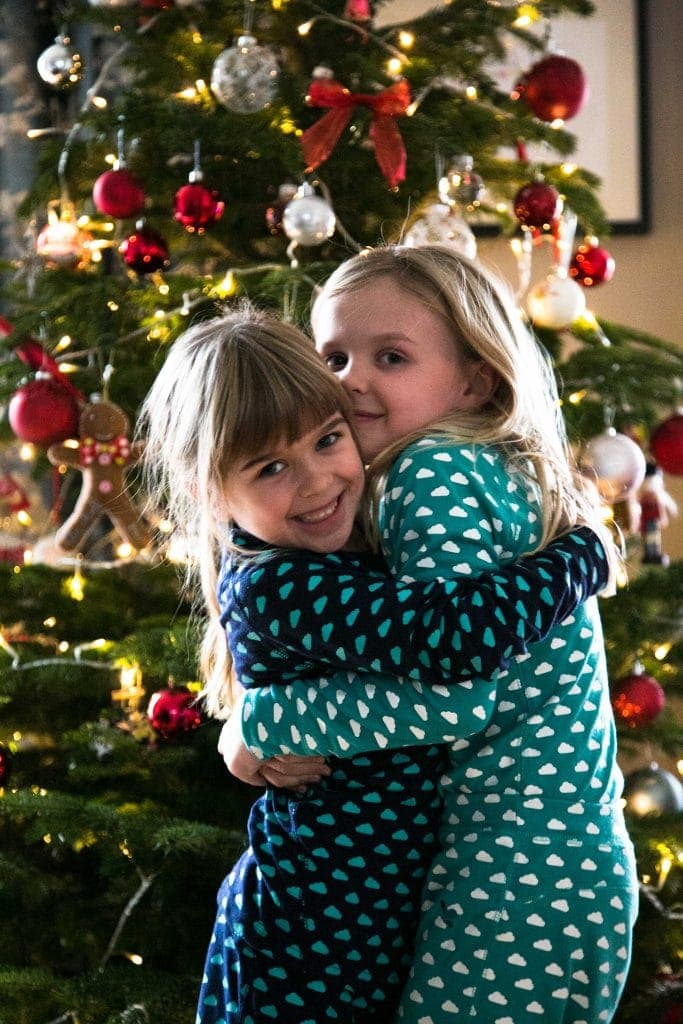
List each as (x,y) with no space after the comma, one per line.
(103,454)
(656,507)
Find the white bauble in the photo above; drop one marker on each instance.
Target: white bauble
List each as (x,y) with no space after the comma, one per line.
(244,76)
(556,302)
(308,219)
(615,463)
(60,65)
(441,225)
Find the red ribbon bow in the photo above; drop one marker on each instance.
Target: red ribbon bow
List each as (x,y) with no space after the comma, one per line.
(319,140)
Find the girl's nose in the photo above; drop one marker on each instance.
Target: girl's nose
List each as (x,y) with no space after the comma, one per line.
(313,479)
(354,378)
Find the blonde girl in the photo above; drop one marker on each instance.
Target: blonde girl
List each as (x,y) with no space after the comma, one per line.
(529,904)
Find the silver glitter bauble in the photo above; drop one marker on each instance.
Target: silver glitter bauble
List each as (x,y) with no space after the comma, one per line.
(308,219)
(244,77)
(461,185)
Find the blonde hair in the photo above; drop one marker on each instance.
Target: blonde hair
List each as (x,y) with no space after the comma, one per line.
(230,387)
(523,414)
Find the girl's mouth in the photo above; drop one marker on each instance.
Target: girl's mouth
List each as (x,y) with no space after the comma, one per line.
(319,515)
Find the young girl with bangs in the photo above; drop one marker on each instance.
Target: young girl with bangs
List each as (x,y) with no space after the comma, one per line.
(250,447)
(530,900)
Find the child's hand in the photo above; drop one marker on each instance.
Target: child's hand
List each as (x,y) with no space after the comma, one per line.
(239,761)
(291,771)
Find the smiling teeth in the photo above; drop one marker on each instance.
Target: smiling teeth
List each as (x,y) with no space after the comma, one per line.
(323,513)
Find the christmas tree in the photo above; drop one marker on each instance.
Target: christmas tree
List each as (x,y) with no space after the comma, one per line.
(182,154)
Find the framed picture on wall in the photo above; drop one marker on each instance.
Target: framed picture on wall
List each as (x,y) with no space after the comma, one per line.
(612,128)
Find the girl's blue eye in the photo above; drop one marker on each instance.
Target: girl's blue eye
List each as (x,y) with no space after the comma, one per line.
(392,358)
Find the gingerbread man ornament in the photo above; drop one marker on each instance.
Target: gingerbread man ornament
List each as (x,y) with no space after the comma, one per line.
(103,454)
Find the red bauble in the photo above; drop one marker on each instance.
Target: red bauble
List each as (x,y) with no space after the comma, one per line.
(43,412)
(173,714)
(555,87)
(358,10)
(117,193)
(666,445)
(592,265)
(145,250)
(637,699)
(196,206)
(537,205)
(5,765)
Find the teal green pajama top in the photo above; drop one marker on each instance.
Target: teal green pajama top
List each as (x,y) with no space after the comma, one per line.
(528,907)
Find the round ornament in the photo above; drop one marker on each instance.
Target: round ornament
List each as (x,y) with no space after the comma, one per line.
(173,713)
(592,265)
(461,185)
(442,225)
(555,88)
(308,219)
(537,205)
(666,445)
(637,699)
(275,211)
(118,193)
(556,302)
(652,791)
(358,11)
(145,251)
(196,206)
(615,463)
(62,242)
(244,77)
(60,65)
(5,765)
(43,411)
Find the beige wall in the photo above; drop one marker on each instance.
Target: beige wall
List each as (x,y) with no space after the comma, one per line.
(647,289)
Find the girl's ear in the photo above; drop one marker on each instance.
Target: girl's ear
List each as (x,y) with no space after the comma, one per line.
(481,385)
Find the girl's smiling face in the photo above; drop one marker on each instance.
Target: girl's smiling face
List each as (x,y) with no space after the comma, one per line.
(301,495)
(396,358)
